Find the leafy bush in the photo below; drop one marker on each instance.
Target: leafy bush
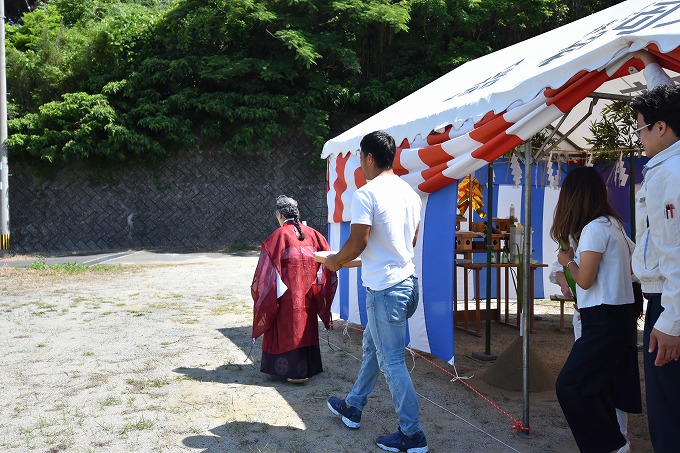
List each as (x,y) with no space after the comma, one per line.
(115,80)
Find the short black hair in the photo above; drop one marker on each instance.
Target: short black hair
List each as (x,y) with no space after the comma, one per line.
(660,104)
(382,146)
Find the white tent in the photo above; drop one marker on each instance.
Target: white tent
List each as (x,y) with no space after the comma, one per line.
(544,76)
(476,113)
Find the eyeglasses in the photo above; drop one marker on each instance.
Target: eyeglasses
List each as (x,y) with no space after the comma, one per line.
(637,131)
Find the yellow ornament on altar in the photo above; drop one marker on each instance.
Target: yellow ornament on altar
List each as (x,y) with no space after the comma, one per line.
(470,192)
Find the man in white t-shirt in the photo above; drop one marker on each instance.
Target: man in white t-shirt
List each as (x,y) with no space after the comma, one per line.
(385,219)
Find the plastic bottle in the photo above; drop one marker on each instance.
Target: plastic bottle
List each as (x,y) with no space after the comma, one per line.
(567,273)
(511,218)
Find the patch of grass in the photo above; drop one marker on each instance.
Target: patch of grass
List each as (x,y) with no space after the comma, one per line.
(24,431)
(136,313)
(238,366)
(70,267)
(41,308)
(187,321)
(38,265)
(139,425)
(50,432)
(74,414)
(88,353)
(165,305)
(77,300)
(110,401)
(235,307)
(96,302)
(158,382)
(156,395)
(138,385)
(188,378)
(222,310)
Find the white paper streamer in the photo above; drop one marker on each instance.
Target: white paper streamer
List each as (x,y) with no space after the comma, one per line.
(621,171)
(516,171)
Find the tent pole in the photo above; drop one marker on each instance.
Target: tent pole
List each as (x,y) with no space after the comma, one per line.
(487,355)
(631,189)
(526,268)
(489,251)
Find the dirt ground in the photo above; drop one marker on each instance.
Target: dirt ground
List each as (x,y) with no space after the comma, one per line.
(154,358)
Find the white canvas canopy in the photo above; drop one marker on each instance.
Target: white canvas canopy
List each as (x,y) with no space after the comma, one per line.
(543,75)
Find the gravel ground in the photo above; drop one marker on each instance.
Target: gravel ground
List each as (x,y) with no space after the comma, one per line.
(153,357)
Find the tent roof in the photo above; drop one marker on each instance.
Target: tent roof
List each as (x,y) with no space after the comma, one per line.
(623,88)
(513,77)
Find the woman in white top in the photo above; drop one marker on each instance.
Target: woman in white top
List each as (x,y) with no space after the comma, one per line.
(601,372)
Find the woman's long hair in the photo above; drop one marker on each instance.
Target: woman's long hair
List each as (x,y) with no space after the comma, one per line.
(583,198)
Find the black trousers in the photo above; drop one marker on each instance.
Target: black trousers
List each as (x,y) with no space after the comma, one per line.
(662,384)
(601,374)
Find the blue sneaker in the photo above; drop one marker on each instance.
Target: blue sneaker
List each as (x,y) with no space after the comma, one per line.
(401,442)
(351,416)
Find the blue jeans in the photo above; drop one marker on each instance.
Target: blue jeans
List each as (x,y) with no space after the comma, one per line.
(383,350)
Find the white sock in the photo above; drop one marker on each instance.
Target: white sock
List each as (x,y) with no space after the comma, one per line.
(622,418)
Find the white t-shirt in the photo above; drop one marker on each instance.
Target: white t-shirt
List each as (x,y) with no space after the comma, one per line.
(392,209)
(613,284)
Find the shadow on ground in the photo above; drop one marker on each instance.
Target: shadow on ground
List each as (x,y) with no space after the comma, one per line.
(295,419)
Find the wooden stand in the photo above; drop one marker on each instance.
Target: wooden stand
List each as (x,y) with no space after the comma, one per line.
(562,300)
(501,313)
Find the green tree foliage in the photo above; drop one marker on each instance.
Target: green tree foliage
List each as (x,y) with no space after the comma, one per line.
(580,8)
(80,125)
(613,132)
(36,55)
(138,79)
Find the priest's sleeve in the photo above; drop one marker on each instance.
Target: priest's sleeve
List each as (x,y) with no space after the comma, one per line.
(263,290)
(324,287)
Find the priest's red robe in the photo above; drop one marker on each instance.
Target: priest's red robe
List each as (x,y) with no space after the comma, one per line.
(289,291)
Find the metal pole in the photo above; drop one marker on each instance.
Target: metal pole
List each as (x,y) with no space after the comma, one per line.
(631,191)
(4,170)
(526,268)
(487,355)
(489,251)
